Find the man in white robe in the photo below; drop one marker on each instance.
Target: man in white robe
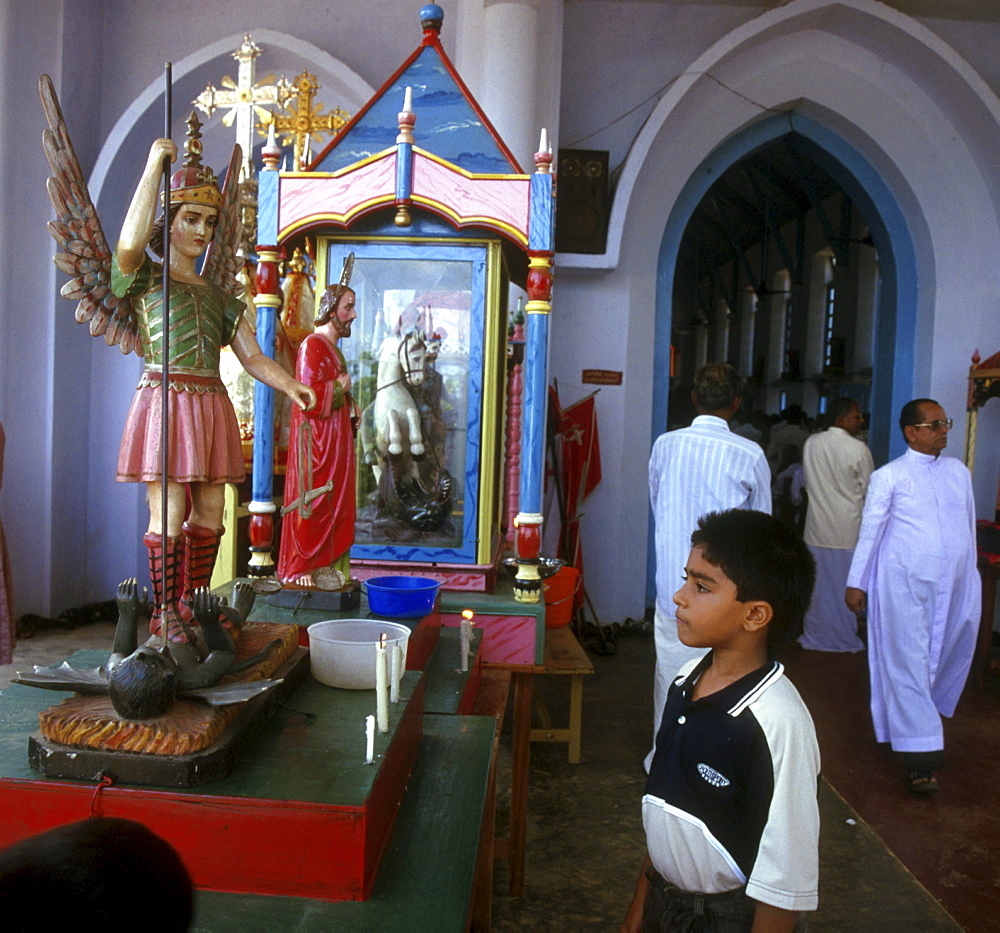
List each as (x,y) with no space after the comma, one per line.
(692,471)
(915,564)
(837,467)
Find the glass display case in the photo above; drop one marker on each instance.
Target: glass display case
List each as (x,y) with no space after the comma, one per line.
(426,359)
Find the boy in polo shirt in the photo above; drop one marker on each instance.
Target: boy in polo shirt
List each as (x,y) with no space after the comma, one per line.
(730,810)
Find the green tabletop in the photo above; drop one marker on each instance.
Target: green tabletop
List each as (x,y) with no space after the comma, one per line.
(312,750)
(444,681)
(425,880)
(500,602)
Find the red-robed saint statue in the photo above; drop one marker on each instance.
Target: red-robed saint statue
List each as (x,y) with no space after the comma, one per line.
(318,525)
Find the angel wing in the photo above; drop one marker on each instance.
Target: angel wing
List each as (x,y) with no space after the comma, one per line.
(65,677)
(230,694)
(221,261)
(95,682)
(83,248)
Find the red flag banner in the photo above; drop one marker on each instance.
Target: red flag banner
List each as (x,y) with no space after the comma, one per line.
(577,455)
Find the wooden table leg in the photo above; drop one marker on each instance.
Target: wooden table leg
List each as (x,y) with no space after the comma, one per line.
(575,717)
(520,755)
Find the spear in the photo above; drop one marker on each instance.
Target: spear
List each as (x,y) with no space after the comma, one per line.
(164,388)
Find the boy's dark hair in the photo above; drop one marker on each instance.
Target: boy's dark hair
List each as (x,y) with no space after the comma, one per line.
(767,560)
(911,414)
(102,873)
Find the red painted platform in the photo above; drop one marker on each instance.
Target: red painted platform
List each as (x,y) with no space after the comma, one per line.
(301,815)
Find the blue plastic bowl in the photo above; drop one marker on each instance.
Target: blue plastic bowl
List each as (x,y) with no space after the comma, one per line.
(401,597)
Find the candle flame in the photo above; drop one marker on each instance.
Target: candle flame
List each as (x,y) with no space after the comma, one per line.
(382,639)
(468,614)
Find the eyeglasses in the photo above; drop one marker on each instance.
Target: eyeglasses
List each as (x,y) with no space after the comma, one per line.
(940,424)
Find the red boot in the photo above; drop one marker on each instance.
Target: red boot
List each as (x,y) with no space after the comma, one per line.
(201,547)
(166,575)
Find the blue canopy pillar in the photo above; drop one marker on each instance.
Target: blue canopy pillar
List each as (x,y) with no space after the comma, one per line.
(267,301)
(541,237)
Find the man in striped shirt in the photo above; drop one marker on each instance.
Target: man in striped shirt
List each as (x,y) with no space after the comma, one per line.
(695,470)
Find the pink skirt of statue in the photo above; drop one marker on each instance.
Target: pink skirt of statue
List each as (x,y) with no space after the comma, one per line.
(204,440)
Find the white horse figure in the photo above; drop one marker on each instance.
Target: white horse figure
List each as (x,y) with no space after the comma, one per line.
(395,415)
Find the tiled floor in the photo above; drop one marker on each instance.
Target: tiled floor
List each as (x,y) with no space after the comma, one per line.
(888,860)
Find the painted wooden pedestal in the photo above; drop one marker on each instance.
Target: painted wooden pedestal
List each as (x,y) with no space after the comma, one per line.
(513,636)
(301,814)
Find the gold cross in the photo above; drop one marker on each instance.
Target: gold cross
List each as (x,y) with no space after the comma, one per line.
(304,121)
(245,99)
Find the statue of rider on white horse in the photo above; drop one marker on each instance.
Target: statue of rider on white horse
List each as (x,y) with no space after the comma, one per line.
(416,492)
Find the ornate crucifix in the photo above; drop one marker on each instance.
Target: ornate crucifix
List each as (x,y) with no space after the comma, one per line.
(247,101)
(303,120)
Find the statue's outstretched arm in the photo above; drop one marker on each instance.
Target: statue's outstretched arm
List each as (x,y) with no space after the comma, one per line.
(266,370)
(142,211)
(132,606)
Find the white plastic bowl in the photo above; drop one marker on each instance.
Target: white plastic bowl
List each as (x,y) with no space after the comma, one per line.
(342,651)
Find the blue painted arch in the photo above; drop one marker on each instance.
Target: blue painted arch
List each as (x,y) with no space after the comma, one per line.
(895,332)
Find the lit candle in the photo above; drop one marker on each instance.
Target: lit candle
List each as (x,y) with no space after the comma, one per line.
(381,686)
(466,637)
(370,740)
(397,673)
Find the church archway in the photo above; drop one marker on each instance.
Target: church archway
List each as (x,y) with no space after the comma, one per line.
(892,377)
(915,160)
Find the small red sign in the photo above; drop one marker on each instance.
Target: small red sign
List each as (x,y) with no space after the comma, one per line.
(602,377)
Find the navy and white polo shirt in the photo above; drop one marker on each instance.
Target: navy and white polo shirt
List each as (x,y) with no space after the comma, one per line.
(731,795)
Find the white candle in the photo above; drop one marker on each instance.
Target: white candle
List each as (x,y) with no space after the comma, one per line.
(370,740)
(397,673)
(408,101)
(543,142)
(466,632)
(467,616)
(381,686)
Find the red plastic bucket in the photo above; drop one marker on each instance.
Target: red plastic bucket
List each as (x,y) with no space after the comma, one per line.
(560,591)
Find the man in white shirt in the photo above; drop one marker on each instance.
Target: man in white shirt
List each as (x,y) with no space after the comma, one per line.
(692,471)
(915,566)
(790,431)
(837,467)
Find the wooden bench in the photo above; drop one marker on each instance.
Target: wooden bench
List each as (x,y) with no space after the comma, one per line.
(491,701)
(564,655)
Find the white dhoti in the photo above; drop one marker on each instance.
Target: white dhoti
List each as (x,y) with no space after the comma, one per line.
(829,624)
(918,679)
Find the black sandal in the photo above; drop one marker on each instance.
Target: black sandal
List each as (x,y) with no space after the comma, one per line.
(922,782)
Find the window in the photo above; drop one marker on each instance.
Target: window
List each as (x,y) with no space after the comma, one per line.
(828,325)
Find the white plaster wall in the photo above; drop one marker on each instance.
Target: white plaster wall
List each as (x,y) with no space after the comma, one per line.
(520,63)
(924,115)
(914,108)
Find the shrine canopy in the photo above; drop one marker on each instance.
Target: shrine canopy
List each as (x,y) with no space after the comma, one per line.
(422,142)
